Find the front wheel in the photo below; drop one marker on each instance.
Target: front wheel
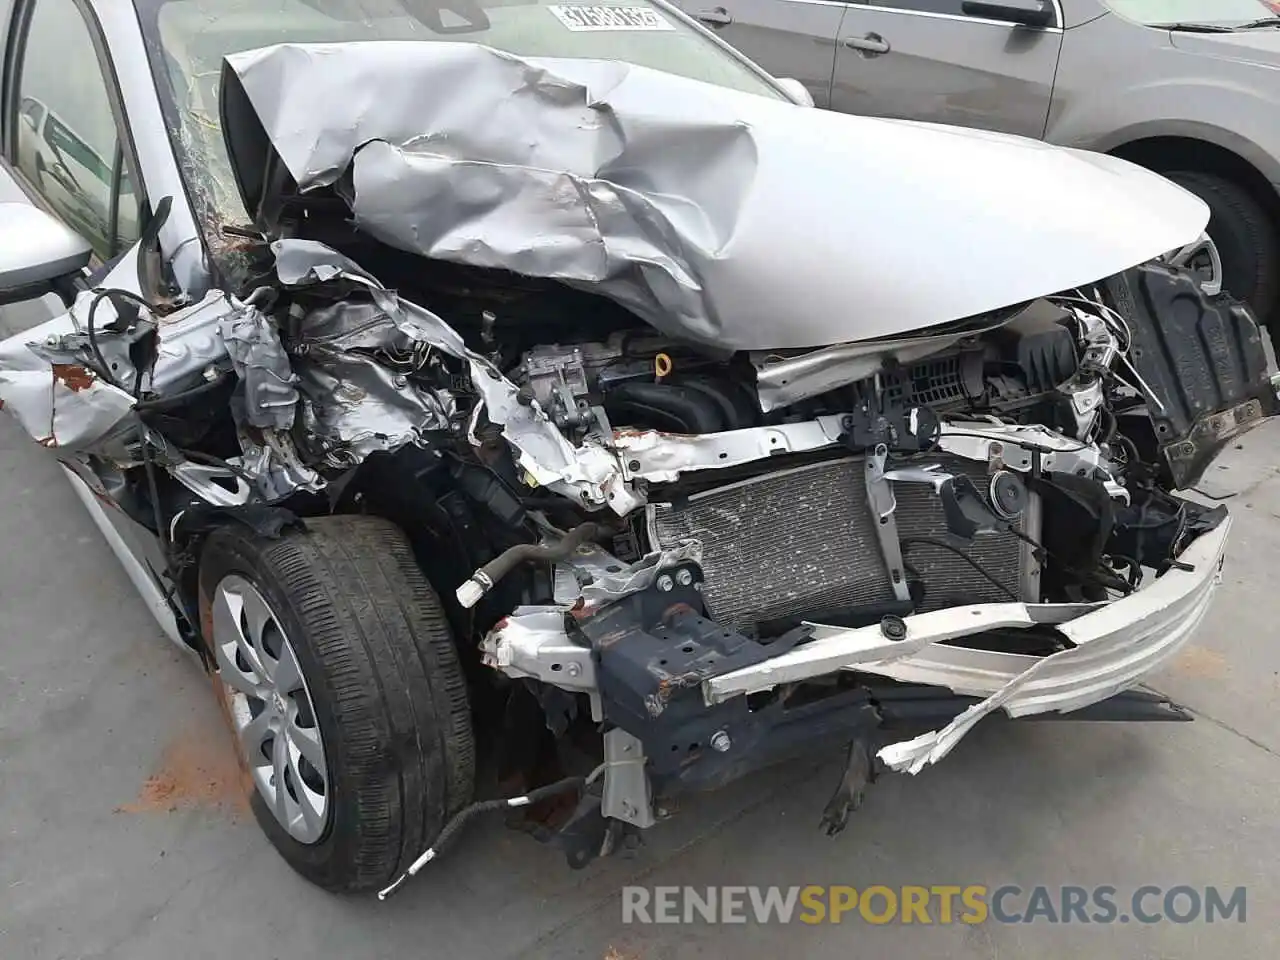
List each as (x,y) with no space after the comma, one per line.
(340,678)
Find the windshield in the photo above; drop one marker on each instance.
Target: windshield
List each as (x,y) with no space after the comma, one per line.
(187,40)
(1224,13)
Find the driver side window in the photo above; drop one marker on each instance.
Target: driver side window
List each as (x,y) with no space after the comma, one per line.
(68,147)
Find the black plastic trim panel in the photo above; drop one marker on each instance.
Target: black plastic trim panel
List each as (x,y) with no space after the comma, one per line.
(1202,358)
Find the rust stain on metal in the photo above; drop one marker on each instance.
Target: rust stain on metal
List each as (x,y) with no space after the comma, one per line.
(73,376)
(581,610)
(669,684)
(613,636)
(676,611)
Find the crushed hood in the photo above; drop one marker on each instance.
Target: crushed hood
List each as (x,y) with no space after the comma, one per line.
(715,215)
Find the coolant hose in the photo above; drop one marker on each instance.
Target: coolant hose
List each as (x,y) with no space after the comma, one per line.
(484,579)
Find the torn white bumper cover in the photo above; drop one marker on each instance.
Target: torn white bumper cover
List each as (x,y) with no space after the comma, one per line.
(1114,647)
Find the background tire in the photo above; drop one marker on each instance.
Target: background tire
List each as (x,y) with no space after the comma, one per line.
(1246,238)
(379,662)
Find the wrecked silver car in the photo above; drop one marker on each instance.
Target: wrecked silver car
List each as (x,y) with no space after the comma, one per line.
(637,429)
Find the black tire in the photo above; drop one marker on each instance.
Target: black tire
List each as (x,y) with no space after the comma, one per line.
(378,657)
(1246,238)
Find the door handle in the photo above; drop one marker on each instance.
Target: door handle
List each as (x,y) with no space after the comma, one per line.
(716,17)
(63,178)
(871,45)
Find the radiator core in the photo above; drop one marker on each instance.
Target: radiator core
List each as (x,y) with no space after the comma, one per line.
(803,539)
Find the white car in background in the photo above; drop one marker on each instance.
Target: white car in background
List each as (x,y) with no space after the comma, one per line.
(77,181)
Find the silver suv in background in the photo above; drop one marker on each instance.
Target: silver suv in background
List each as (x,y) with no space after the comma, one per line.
(1184,87)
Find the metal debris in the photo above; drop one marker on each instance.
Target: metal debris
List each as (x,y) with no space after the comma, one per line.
(260,361)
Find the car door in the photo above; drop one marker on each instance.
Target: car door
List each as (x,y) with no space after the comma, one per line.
(789,38)
(63,137)
(929,60)
(54,73)
(62,150)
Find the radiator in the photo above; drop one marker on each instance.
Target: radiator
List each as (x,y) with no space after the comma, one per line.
(803,539)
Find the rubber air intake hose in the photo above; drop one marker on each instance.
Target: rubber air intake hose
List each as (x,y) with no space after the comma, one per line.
(484,579)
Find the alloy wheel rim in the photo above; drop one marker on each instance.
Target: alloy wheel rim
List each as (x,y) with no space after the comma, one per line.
(271,709)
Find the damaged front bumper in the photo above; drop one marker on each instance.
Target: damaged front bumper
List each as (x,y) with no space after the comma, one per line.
(1112,648)
(693,704)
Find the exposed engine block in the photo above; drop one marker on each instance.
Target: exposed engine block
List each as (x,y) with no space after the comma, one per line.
(1010,369)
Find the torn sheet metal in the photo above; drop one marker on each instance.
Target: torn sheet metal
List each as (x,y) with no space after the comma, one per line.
(189,348)
(212,484)
(354,406)
(532,642)
(589,474)
(305,263)
(597,474)
(261,363)
(352,325)
(716,215)
(47,380)
(353,402)
(301,263)
(46,383)
(274,466)
(63,406)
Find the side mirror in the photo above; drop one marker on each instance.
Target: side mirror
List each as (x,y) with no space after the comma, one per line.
(1026,13)
(796,91)
(30,121)
(38,254)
